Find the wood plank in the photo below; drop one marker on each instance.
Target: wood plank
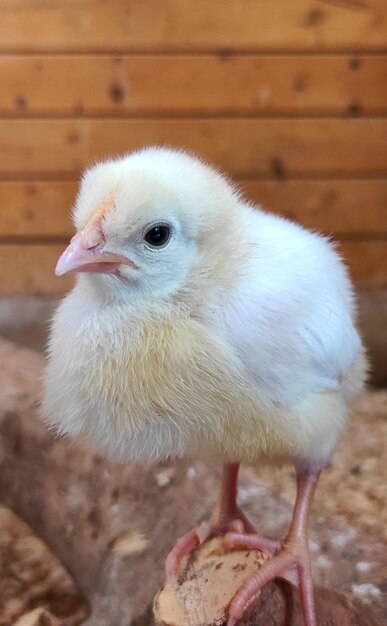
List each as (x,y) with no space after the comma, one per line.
(350,207)
(36,209)
(188,25)
(29,269)
(342,207)
(253,148)
(367,262)
(110,85)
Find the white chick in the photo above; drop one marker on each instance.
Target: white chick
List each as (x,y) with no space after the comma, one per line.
(201,326)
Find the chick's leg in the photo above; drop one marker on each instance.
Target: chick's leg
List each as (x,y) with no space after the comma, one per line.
(226,516)
(291,561)
(227,511)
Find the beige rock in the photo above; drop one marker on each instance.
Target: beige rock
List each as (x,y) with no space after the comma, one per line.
(37,617)
(30,576)
(210,578)
(208,583)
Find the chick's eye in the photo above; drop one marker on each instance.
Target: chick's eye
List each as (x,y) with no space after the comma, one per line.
(158,235)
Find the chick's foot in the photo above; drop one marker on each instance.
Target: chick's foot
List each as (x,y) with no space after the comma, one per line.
(195,538)
(183,546)
(290,560)
(226,517)
(251,541)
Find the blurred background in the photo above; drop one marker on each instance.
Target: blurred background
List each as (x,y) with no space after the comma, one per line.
(289,98)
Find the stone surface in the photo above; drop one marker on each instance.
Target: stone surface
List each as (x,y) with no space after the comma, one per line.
(37,617)
(208,581)
(111,525)
(30,576)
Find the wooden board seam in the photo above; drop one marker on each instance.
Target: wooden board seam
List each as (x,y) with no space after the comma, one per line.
(188,116)
(183,51)
(222,53)
(243,177)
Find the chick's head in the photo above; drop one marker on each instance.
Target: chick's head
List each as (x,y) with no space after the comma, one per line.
(153,224)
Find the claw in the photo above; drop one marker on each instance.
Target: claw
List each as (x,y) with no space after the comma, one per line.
(192,540)
(291,563)
(184,546)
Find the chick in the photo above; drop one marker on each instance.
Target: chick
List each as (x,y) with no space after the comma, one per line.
(200,326)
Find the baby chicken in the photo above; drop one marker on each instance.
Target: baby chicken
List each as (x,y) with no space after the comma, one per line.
(201,326)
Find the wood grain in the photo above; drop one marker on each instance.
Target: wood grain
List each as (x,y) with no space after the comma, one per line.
(184,25)
(29,269)
(36,209)
(254,148)
(342,207)
(112,85)
(288,97)
(367,262)
(350,207)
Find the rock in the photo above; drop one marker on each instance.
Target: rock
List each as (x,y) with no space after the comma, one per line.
(37,617)
(206,586)
(210,578)
(31,577)
(111,525)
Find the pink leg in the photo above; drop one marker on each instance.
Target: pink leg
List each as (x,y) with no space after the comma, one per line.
(292,561)
(226,516)
(227,513)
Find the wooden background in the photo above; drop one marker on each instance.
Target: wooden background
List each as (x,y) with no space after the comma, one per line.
(289,96)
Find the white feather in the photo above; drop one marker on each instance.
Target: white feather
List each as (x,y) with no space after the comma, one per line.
(236,341)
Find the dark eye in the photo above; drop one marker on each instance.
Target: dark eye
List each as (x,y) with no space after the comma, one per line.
(158,235)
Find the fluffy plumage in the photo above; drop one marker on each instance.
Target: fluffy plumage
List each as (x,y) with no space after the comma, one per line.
(235,341)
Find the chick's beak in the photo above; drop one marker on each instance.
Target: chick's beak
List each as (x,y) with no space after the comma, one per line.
(85,254)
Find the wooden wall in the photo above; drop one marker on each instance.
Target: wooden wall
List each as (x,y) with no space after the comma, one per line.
(289,96)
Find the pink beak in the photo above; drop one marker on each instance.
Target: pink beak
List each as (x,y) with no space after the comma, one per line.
(80,257)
